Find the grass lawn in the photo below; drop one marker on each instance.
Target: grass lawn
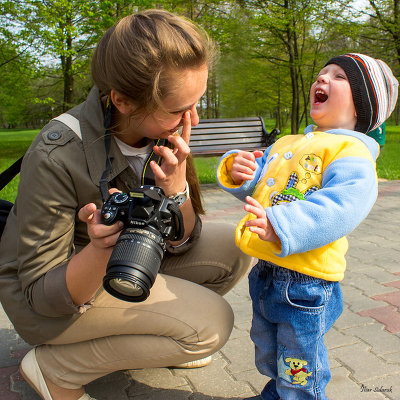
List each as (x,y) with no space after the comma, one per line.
(388,163)
(13,144)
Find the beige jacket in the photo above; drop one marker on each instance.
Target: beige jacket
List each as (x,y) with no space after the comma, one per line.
(60,174)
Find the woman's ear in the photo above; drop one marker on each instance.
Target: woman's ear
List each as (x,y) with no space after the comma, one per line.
(121,102)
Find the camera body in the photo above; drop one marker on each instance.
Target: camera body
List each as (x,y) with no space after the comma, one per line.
(144,207)
(149,220)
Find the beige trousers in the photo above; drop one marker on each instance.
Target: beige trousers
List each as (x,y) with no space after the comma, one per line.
(182,319)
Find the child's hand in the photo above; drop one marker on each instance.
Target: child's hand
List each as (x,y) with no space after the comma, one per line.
(261,225)
(244,165)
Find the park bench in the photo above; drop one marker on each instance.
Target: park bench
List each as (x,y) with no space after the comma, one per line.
(214,137)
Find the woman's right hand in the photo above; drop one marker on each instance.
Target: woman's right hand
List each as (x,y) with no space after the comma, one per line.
(101,236)
(244,165)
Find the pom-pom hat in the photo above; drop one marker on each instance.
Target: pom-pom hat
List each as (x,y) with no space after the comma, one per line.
(373,86)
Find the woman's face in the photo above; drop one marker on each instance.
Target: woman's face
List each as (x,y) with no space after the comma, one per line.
(191,85)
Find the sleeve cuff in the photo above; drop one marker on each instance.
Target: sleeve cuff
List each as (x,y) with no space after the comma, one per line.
(50,295)
(189,242)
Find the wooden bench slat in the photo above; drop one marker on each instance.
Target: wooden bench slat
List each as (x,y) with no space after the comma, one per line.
(233,141)
(204,120)
(216,136)
(226,125)
(228,134)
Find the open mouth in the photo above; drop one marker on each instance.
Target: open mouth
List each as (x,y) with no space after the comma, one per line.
(320,96)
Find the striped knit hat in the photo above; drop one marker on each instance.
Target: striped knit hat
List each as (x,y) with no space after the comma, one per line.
(373,86)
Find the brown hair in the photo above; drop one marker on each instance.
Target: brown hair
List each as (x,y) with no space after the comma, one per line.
(138,57)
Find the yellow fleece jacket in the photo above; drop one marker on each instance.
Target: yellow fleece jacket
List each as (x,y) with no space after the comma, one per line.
(315,188)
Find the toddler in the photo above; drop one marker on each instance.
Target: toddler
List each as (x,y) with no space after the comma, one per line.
(303,195)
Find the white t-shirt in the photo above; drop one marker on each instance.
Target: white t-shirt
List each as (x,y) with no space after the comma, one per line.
(136,156)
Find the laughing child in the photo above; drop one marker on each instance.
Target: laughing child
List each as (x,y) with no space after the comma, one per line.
(303,195)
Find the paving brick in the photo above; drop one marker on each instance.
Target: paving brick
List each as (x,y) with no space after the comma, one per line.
(392,358)
(341,378)
(389,316)
(163,394)
(334,338)
(240,353)
(387,387)
(365,366)
(214,380)
(253,378)
(350,319)
(158,378)
(395,284)
(114,386)
(381,341)
(392,298)
(5,383)
(369,286)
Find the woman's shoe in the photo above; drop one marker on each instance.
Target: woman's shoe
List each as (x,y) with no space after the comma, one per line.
(195,364)
(31,372)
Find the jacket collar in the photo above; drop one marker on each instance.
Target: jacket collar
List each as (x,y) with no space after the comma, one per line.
(91,117)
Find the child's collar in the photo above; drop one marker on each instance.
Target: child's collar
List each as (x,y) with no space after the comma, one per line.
(371,143)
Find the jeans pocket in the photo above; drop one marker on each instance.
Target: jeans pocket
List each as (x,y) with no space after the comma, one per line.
(311,295)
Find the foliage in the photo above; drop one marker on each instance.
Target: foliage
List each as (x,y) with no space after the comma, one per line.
(269,52)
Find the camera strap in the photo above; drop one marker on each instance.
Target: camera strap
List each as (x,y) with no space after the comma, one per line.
(147,177)
(103,183)
(12,171)
(147,173)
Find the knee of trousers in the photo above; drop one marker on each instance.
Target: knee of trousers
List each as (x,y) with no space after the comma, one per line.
(211,329)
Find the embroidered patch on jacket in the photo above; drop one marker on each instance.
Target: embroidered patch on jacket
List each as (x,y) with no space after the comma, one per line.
(311,163)
(293,370)
(291,193)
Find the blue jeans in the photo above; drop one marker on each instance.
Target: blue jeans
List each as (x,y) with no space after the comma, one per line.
(291,314)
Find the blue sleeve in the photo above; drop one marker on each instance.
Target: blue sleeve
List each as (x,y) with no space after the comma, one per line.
(349,190)
(247,187)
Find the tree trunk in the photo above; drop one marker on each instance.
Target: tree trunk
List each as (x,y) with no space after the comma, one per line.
(66,63)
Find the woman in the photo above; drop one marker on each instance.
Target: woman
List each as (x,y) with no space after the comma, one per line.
(149,71)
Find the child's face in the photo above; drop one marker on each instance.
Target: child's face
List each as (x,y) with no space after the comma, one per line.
(331,100)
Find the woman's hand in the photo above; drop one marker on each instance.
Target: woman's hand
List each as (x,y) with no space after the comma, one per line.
(171,174)
(101,236)
(261,225)
(85,271)
(244,165)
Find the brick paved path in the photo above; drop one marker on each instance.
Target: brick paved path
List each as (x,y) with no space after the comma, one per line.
(364,344)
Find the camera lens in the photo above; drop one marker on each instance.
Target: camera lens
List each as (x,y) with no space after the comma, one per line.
(134,264)
(125,287)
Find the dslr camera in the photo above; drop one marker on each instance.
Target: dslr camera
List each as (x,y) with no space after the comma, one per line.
(150,219)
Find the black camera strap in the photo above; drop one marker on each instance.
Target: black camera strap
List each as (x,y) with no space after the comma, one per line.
(7,176)
(103,183)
